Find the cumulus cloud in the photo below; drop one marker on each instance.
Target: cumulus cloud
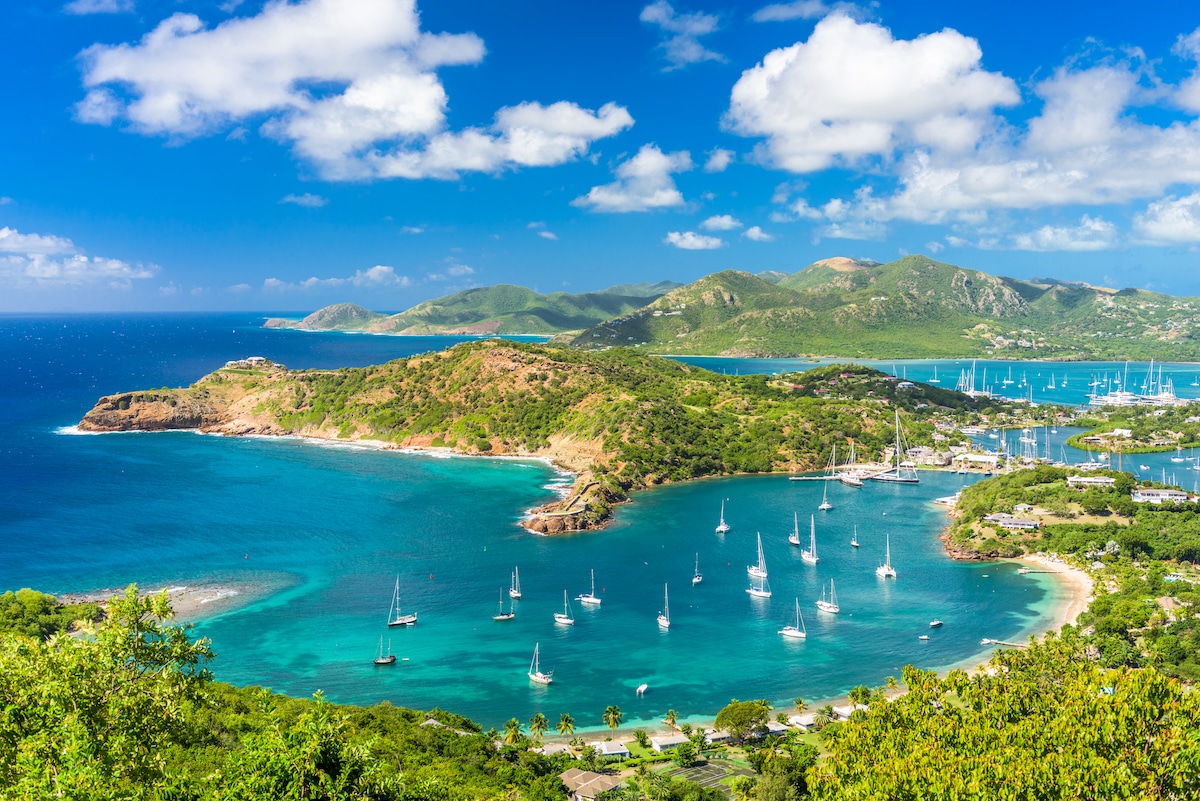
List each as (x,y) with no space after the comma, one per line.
(784,12)
(380,276)
(308,200)
(458,270)
(4,201)
(853,91)
(352,85)
(643,183)
(1170,221)
(553,237)
(721,222)
(28,260)
(98,7)
(681,34)
(690,240)
(718,160)
(412,229)
(756,234)
(1091,234)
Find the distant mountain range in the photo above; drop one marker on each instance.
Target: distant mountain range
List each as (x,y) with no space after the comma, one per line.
(915,307)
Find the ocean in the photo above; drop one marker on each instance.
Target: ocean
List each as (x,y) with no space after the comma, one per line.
(315,536)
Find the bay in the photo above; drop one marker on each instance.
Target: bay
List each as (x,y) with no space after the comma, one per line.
(315,536)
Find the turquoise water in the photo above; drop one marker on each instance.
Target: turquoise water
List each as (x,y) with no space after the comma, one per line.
(318,534)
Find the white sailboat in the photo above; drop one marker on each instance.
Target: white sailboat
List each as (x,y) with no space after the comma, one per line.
(664,617)
(514,590)
(935,379)
(831,605)
(809,554)
(854,537)
(535,669)
(590,598)
(759,588)
(389,658)
(904,471)
(500,613)
(395,616)
(794,537)
(564,617)
(797,631)
(886,570)
(825,504)
(850,474)
(697,578)
(758,570)
(722,527)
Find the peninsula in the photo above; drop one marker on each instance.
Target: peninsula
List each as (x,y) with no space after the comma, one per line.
(618,419)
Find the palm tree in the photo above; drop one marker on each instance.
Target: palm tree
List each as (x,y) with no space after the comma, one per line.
(612,716)
(566,725)
(672,718)
(801,705)
(743,788)
(890,683)
(859,695)
(512,731)
(538,725)
(823,716)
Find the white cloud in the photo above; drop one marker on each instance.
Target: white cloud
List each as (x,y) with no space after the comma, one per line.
(718,160)
(350,84)
(1170,221)
(756,234)
(412,229)
(1091,234)
(934,247)
(379,276)
(681,34)
(690,240)
(308,200)
(4,201)
(553,237)
(457,270)
(852,91)
(784,12)
(643,183)
(98,6)
(47,260)
(240,289)
(721,222)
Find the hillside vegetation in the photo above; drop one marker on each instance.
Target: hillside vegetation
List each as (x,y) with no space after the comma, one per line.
(623,420)
(914,307)
(500,309)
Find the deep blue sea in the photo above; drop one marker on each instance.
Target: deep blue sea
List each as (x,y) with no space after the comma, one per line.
(315,536)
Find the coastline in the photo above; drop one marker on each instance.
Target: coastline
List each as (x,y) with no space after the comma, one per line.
(190,602)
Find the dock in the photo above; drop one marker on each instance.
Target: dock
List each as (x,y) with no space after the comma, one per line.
(989,641)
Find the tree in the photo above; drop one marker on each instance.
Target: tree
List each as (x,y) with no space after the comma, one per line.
(589,757)
(565,725)
(859,694)
(612,716)
(801,705)
(642,738)
(743,788)
(740,718)
(685,754)
(538,725)
(823,716)
(672,718)
(512,731)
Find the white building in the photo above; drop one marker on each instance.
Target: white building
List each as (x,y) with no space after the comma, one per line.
(1158,496)
(666,742)
(1090,481)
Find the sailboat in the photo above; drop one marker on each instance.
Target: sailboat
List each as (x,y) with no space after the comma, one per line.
(759,588)
(664,617)
(809,554)
(535,669)
(722,527)
(390,658)
(794,537)
(825,504)
(500,613)
(1051,385)
(851,475)
(758,570)
(854,537)
(935,379)
(514,590)
(590,598)
(697,578)
(395,617)
(564,617)
(1008,380)
(1178,457)
(886,570)
(904,472)
(797,631)
(831,605)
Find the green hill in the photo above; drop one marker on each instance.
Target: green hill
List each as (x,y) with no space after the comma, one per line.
(913,307)
(500,309)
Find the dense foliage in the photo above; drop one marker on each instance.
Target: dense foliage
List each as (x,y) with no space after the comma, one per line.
(130,711)
(1042,723)
(36,614)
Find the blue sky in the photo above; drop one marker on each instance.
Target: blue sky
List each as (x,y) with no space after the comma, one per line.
(170,154)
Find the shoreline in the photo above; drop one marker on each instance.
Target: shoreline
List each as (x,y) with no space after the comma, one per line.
(190,602)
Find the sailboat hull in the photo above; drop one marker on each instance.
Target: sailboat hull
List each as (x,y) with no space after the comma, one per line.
(403,620)
(793,632)
(825,606)
(563,620)
(385,660)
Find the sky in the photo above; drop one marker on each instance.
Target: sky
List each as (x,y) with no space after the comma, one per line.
(160,155)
